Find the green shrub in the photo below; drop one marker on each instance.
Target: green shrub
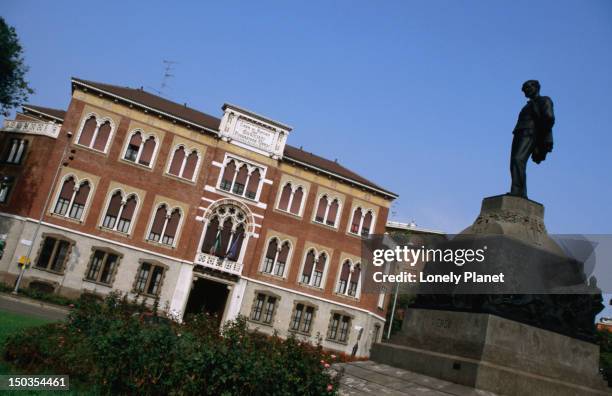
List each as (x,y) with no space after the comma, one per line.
(122,348)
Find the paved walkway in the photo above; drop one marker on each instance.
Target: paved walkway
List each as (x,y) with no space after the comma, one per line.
(27,306)
(370,378)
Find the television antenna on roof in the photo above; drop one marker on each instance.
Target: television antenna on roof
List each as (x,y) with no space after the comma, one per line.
(168,69)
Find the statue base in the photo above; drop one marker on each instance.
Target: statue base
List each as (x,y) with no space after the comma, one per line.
(491,353)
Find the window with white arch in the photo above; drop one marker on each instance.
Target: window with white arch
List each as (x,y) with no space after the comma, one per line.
(314,267)
(72,198)
(184,163)
(165,225)
(349,281)
(141,148)
(95,133)
(225,232)
(120,211)
(291,199)
(362,222)
(276,257)
(328,210)
(241,178)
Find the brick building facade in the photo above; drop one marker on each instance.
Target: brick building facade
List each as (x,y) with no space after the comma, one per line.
(128,191)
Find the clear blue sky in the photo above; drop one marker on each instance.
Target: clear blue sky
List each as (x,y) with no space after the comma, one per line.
(420,97)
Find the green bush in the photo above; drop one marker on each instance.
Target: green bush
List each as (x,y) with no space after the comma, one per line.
(121,348)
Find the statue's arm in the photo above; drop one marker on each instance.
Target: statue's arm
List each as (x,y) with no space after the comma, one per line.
(547,113)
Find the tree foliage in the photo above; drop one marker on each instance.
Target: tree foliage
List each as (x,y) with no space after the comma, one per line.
(14,89)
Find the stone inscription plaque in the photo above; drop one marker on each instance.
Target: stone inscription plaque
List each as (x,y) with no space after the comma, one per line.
(254,135)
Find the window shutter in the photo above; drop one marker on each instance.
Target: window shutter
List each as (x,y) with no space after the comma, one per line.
(102,137)
(177,161)
(284,253)
(321,263)
(356,273)
(309,264)
(356,220)
(367,223)
(147,152)
(136,139)
(173,223)
(253,184)
(243,173)
(211,233)
(283,203)
(297,201)
(190,166)
(114,205)
(82,194)
(333,211)
(129,208)
(158,221)
(67,189)
(228,173)
(346,270)
(321,208)
(272,248)
(88,130)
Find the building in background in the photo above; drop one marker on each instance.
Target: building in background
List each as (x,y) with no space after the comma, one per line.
(154,198)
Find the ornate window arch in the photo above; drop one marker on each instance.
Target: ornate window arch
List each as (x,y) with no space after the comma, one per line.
(314,268)
(276,256)
(72,197)
(165,225)
(349,280)
(120,211)
(328,210)
(292,198)
(96,132)
(226,229)
(184,162)
(241,178)
(141,148)
(362,221)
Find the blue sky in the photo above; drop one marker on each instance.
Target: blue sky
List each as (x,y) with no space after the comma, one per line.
(420,97)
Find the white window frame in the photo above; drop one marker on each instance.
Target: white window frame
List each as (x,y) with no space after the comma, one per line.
(325,268)
(124,197)
(99,121)
(188,150)
(330,199)
(251,166)
(17,151)
(77,185)
(145,136)
(294,188)
(364,211)
(280,242)
(168,214)
(352,266)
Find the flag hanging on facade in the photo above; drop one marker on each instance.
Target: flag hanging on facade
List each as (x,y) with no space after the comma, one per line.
(232,253)
(217,244)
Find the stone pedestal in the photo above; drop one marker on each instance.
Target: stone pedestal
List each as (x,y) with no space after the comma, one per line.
(492,353)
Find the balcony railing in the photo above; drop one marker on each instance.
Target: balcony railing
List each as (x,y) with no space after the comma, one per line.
(218,263)
(32,127)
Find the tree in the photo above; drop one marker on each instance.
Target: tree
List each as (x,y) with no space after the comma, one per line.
(14,89)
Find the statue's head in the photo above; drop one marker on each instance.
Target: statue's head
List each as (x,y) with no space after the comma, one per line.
(531,88)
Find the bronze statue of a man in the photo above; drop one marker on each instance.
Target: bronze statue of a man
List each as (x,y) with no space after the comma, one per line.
(532,136)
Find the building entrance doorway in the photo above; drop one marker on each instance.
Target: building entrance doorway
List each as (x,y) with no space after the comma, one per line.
(207,296)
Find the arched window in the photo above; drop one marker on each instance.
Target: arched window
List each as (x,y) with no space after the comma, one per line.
(140,149)
(241,178)
(72,198)
(184,163)
(120,213)
(361,224)
(276,257)
(165,225)
(350,275)
(314,268)
(95,133)
(291,199)
(225,233)
(327,210)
